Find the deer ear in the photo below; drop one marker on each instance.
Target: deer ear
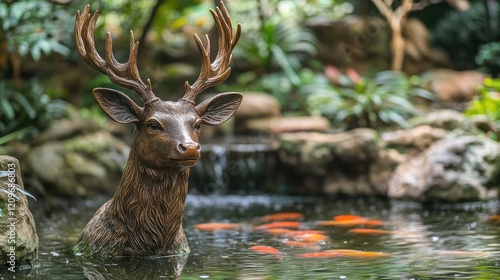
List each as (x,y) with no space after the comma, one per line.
(117,105)
(220,108)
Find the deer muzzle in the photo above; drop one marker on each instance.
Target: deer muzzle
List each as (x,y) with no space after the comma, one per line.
(187,154)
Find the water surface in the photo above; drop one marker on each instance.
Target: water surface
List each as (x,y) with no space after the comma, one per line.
(432,242)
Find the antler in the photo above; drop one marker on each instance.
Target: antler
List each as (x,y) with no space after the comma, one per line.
(218,71)
(121,74)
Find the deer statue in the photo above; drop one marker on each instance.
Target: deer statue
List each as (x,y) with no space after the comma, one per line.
(144,217)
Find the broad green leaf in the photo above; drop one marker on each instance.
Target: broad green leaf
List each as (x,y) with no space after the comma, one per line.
(35,53)
(7,109)
(26,105)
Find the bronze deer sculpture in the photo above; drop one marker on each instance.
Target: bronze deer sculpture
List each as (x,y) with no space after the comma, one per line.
(144,217)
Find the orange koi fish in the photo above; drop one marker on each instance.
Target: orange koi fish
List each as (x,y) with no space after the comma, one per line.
(350,223)
(358,254)
(311,238)
(494,218)
(217,226)
(266,250)
(347,217)
(320,255)
(299,244)
(291,232)
(282,216)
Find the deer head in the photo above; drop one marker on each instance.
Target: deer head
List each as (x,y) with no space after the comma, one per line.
(166,131)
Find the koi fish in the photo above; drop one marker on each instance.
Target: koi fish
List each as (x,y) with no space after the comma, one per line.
(217,226)
(291,232)
(282,216)
(266,250)
(311,238)
(350,223)
(347,217)
(358,254)
(320,255)
(494,218)
(299,244)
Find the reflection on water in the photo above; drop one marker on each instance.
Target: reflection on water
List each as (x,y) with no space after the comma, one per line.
(135,268)
(426,242)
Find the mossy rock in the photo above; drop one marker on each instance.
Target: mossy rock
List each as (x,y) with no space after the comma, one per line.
(18,237)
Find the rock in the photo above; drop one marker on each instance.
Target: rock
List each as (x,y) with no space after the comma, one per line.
(18,242)
(380,169)
(276,125)
(351,163)
(466,168)
(257,105)
(64,129)
(448,120)
(453,86)
(483,123)
(83,165)
(360,43)
(260,112)
(414,140)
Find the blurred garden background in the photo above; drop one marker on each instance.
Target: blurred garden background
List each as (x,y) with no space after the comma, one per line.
(354,86)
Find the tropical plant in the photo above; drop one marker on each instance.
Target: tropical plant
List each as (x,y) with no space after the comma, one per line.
(273,56)
(30,27)
(488,102)
(371,102)
(461,33)
(489,58)
(24,110)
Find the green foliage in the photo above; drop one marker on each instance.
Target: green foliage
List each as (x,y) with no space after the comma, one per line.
(461,34)
(25,110)
(489,57)
(32,27)
(274,53)
(371,102)
(488,103)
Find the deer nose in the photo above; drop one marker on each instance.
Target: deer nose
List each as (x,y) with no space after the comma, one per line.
(189,149)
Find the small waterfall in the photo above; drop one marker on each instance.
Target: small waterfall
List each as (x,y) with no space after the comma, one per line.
(232,167)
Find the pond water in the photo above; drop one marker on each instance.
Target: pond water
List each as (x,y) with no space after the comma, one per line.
(421,242)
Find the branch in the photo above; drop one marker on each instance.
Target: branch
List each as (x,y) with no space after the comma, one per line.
(383,8)
(420,5)
(460,5)
(405,7)
(388,2)
(147,26)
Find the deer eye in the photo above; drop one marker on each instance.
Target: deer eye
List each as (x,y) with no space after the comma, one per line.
(197,126)
(154,126)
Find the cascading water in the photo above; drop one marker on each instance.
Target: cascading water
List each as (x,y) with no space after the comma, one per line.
(234,167)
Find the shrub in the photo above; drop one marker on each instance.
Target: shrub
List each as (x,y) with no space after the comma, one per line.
(378,101)
(489,58)
(461,34)
(25,110)
(488,102)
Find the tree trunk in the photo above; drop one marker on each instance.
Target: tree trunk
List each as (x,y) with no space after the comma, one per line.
(397,48)
(147,27)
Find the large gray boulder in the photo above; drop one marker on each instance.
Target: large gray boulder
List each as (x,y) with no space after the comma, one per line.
(80,166)
(465,168)
(18,237)
(353,163)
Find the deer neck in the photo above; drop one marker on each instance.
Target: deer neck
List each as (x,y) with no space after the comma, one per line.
(150,204)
